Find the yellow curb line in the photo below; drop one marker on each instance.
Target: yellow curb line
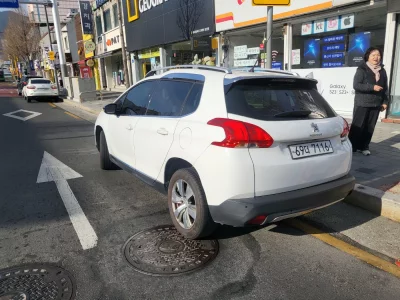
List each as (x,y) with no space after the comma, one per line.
(52,105)
(345,247)
(72,115)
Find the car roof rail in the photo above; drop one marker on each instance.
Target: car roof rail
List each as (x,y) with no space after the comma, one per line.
(200,67)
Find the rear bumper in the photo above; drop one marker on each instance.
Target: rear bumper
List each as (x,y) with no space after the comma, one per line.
(238,212)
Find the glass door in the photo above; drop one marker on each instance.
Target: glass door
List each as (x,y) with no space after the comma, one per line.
(394,107)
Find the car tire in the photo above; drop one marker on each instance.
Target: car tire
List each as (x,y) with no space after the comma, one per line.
(105,162)
(200,226)
(28,99)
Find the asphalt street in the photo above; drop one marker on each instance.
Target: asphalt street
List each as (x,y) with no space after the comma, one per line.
(275,262)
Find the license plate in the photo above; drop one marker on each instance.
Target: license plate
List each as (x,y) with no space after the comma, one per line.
(43,89)
(310,149)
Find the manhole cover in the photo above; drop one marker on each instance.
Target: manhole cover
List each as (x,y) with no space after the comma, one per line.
(36,282)
(163,251)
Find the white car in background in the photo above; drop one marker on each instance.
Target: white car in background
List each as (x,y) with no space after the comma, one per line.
(235,148)
(40,89)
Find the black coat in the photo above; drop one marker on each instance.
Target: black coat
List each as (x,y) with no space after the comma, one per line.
(363,84)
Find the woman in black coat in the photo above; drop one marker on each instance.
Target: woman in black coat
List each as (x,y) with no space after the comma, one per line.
(371,89)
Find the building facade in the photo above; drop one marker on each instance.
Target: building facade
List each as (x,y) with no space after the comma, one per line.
(169,32)
(325,40)
(109,46)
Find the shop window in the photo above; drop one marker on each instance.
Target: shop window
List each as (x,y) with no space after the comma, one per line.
(394,106)
(137,99)
(337,41)
(115,15)
(168,98)
(195,52)
(107,20)
(99,26)
(247,49)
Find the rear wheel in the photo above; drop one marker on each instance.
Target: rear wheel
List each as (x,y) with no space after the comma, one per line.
(188,206)
(105,162)
(28,99)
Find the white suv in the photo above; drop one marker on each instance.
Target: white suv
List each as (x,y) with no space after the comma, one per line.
(230,148)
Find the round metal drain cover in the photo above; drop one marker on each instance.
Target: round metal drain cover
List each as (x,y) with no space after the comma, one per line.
(163,251)
(36,282)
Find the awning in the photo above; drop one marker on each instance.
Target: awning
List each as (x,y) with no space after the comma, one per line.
(106,54)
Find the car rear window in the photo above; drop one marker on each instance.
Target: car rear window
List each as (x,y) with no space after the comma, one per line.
(40,81)
(277,99)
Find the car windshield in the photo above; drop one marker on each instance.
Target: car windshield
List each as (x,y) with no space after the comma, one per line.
(266,99)
(40,81)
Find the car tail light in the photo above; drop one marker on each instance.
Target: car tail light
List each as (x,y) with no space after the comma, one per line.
(31,87)
(240,134)
(346,129)
(259,220)
(54,87)
(24,82)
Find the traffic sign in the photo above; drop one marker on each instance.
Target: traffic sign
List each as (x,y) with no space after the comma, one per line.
(9,4)
(272,2)
(51,55)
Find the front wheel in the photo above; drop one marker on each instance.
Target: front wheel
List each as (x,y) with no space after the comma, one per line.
(105,162)
(188,206)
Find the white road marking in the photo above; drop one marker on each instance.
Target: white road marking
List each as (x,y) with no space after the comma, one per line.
(33,114)
(52,169)
(395,132)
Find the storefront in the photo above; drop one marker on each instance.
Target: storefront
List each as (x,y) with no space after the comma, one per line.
(325,40)
(167,33)
(394,106)
(109,55)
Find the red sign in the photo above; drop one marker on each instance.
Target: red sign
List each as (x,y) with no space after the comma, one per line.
(261,46)
(86,72)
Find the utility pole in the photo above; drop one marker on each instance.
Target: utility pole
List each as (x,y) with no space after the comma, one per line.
(56,20)
(51,45)
(268,50)
(121,33)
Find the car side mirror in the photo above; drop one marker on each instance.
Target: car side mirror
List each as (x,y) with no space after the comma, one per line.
(111,109)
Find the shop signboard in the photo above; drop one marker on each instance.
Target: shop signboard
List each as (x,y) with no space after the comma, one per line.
(150,23)
(112,40)
(9,4)
(393,6)
(86,17)
(358,44)
(232,14)
(328,24)
(86,72)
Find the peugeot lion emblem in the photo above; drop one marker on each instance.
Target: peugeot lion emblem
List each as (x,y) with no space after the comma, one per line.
(315,127)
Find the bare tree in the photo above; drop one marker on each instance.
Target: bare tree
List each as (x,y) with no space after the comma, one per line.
(189,14)
(21,38)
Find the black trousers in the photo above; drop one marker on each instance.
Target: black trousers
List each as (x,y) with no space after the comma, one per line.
(363,125)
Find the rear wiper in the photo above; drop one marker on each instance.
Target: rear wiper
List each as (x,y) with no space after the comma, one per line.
(294,113)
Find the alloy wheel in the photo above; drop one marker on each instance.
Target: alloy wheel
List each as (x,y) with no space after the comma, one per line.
(184,204)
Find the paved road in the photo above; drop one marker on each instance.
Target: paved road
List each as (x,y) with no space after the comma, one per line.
(277,262)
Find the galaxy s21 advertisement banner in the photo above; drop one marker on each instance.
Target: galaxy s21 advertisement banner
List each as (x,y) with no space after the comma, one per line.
(358,45)
(312,53)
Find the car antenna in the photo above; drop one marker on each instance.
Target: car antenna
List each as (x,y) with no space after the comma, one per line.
(252,68)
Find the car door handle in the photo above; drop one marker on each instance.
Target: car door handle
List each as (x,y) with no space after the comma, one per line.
(162,131)
(129,127)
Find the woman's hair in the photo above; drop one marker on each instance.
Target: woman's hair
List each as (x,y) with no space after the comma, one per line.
(368,52)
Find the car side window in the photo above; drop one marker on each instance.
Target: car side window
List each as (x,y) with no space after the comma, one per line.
(137,99)
(168,98)
(193,99)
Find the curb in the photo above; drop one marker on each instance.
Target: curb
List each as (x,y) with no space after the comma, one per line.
(79,106)
(381,203)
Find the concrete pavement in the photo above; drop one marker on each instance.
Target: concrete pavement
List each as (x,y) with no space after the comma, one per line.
(276,262)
